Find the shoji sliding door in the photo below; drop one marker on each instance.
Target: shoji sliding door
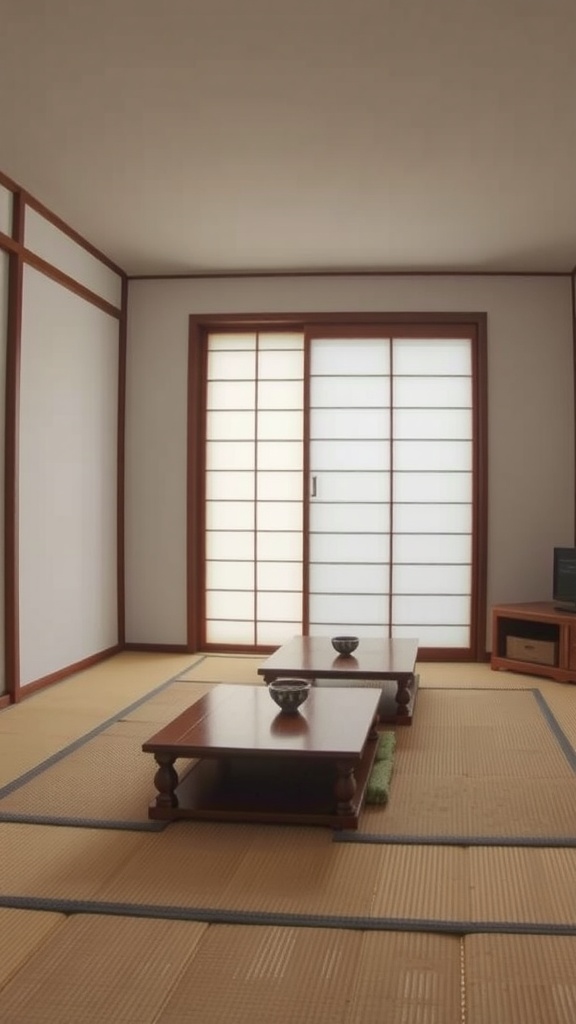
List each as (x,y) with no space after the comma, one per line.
(254,487)
(391,488)
(350,486)
(339,486)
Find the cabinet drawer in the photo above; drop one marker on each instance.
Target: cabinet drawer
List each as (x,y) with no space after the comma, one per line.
(521,648)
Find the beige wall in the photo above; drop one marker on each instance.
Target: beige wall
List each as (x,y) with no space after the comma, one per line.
(531,419)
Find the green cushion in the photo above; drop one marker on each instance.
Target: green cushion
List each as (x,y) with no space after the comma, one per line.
(378,789)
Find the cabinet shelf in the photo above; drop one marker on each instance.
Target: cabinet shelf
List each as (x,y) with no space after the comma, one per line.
(536,639)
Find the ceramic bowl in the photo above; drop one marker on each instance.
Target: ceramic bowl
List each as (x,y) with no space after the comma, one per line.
(289,694)
(345,644)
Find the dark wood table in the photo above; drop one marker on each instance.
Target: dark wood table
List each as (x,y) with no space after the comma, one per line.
(259,764)
(390,662)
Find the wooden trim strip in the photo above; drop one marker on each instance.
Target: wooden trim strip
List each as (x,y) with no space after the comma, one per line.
(195,515)
(120,467)
(6,242)
(11,467)
(573,300)
(69,282)
(158,648)
(74,235)
(212,275)
(392,321)
(8,183)
(480,485)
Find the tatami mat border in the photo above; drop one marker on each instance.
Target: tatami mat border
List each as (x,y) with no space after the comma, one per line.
(544,842)
(212,915)
(559,734)
(12,818)
(15,784)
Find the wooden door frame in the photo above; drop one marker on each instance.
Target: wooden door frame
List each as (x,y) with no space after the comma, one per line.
(470,325)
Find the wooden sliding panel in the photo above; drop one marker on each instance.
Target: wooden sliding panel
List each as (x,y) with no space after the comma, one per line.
(350,486)
(4,269)
(432,508)
(391,506)
(68,427)
(253,488)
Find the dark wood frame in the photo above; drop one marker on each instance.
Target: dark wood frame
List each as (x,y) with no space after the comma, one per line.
(472,325)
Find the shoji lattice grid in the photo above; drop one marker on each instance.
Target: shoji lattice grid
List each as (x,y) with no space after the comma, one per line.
(391,465)
(254,487)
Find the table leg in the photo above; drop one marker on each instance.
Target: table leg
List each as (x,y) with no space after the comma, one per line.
(345,788)
(404,692)
(166,780)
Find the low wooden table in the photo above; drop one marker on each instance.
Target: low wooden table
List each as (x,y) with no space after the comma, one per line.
(258,764)
(376,660)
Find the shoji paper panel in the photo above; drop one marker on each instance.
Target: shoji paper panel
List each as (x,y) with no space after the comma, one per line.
(5,210)
(46,240)
(68,462)
(3,320)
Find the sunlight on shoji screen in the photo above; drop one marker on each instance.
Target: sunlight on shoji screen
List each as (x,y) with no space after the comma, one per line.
(350,470)
(432,505)
(254,461)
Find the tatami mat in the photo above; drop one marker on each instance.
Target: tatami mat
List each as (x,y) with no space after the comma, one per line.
(479,764)
(217,668)
(101,969)
(55,862)
(520,979)
(107,778)
(94,969)
(302,927)
(22,933)
(524,886)
(460,809)
(273,874)
(42,725)
(164,972)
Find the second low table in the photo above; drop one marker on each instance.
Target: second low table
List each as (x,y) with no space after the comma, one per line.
(390,662)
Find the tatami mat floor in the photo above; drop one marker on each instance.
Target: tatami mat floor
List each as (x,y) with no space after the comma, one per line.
(208,922)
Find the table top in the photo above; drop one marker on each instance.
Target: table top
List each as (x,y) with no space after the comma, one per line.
(234,719)
(314,657)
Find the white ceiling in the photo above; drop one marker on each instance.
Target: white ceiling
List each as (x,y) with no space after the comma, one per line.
(190,136)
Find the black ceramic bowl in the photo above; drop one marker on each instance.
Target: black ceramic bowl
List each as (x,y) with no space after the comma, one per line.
(345,644)
(289,694)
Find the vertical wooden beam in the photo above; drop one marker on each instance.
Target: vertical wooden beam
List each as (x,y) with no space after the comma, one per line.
(195,504)
(11,470)
(573,311)
(120,466)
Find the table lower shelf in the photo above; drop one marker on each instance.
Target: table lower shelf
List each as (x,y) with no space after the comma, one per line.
(278,790)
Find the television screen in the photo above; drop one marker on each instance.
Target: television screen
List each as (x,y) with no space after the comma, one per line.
(564,580)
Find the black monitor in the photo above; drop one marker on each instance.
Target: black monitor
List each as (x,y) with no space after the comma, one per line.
(564,579)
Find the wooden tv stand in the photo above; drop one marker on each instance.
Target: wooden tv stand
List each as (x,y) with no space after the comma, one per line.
(538,631)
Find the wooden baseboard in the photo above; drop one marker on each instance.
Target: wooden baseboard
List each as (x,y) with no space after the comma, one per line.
(69,670)
(159,648)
